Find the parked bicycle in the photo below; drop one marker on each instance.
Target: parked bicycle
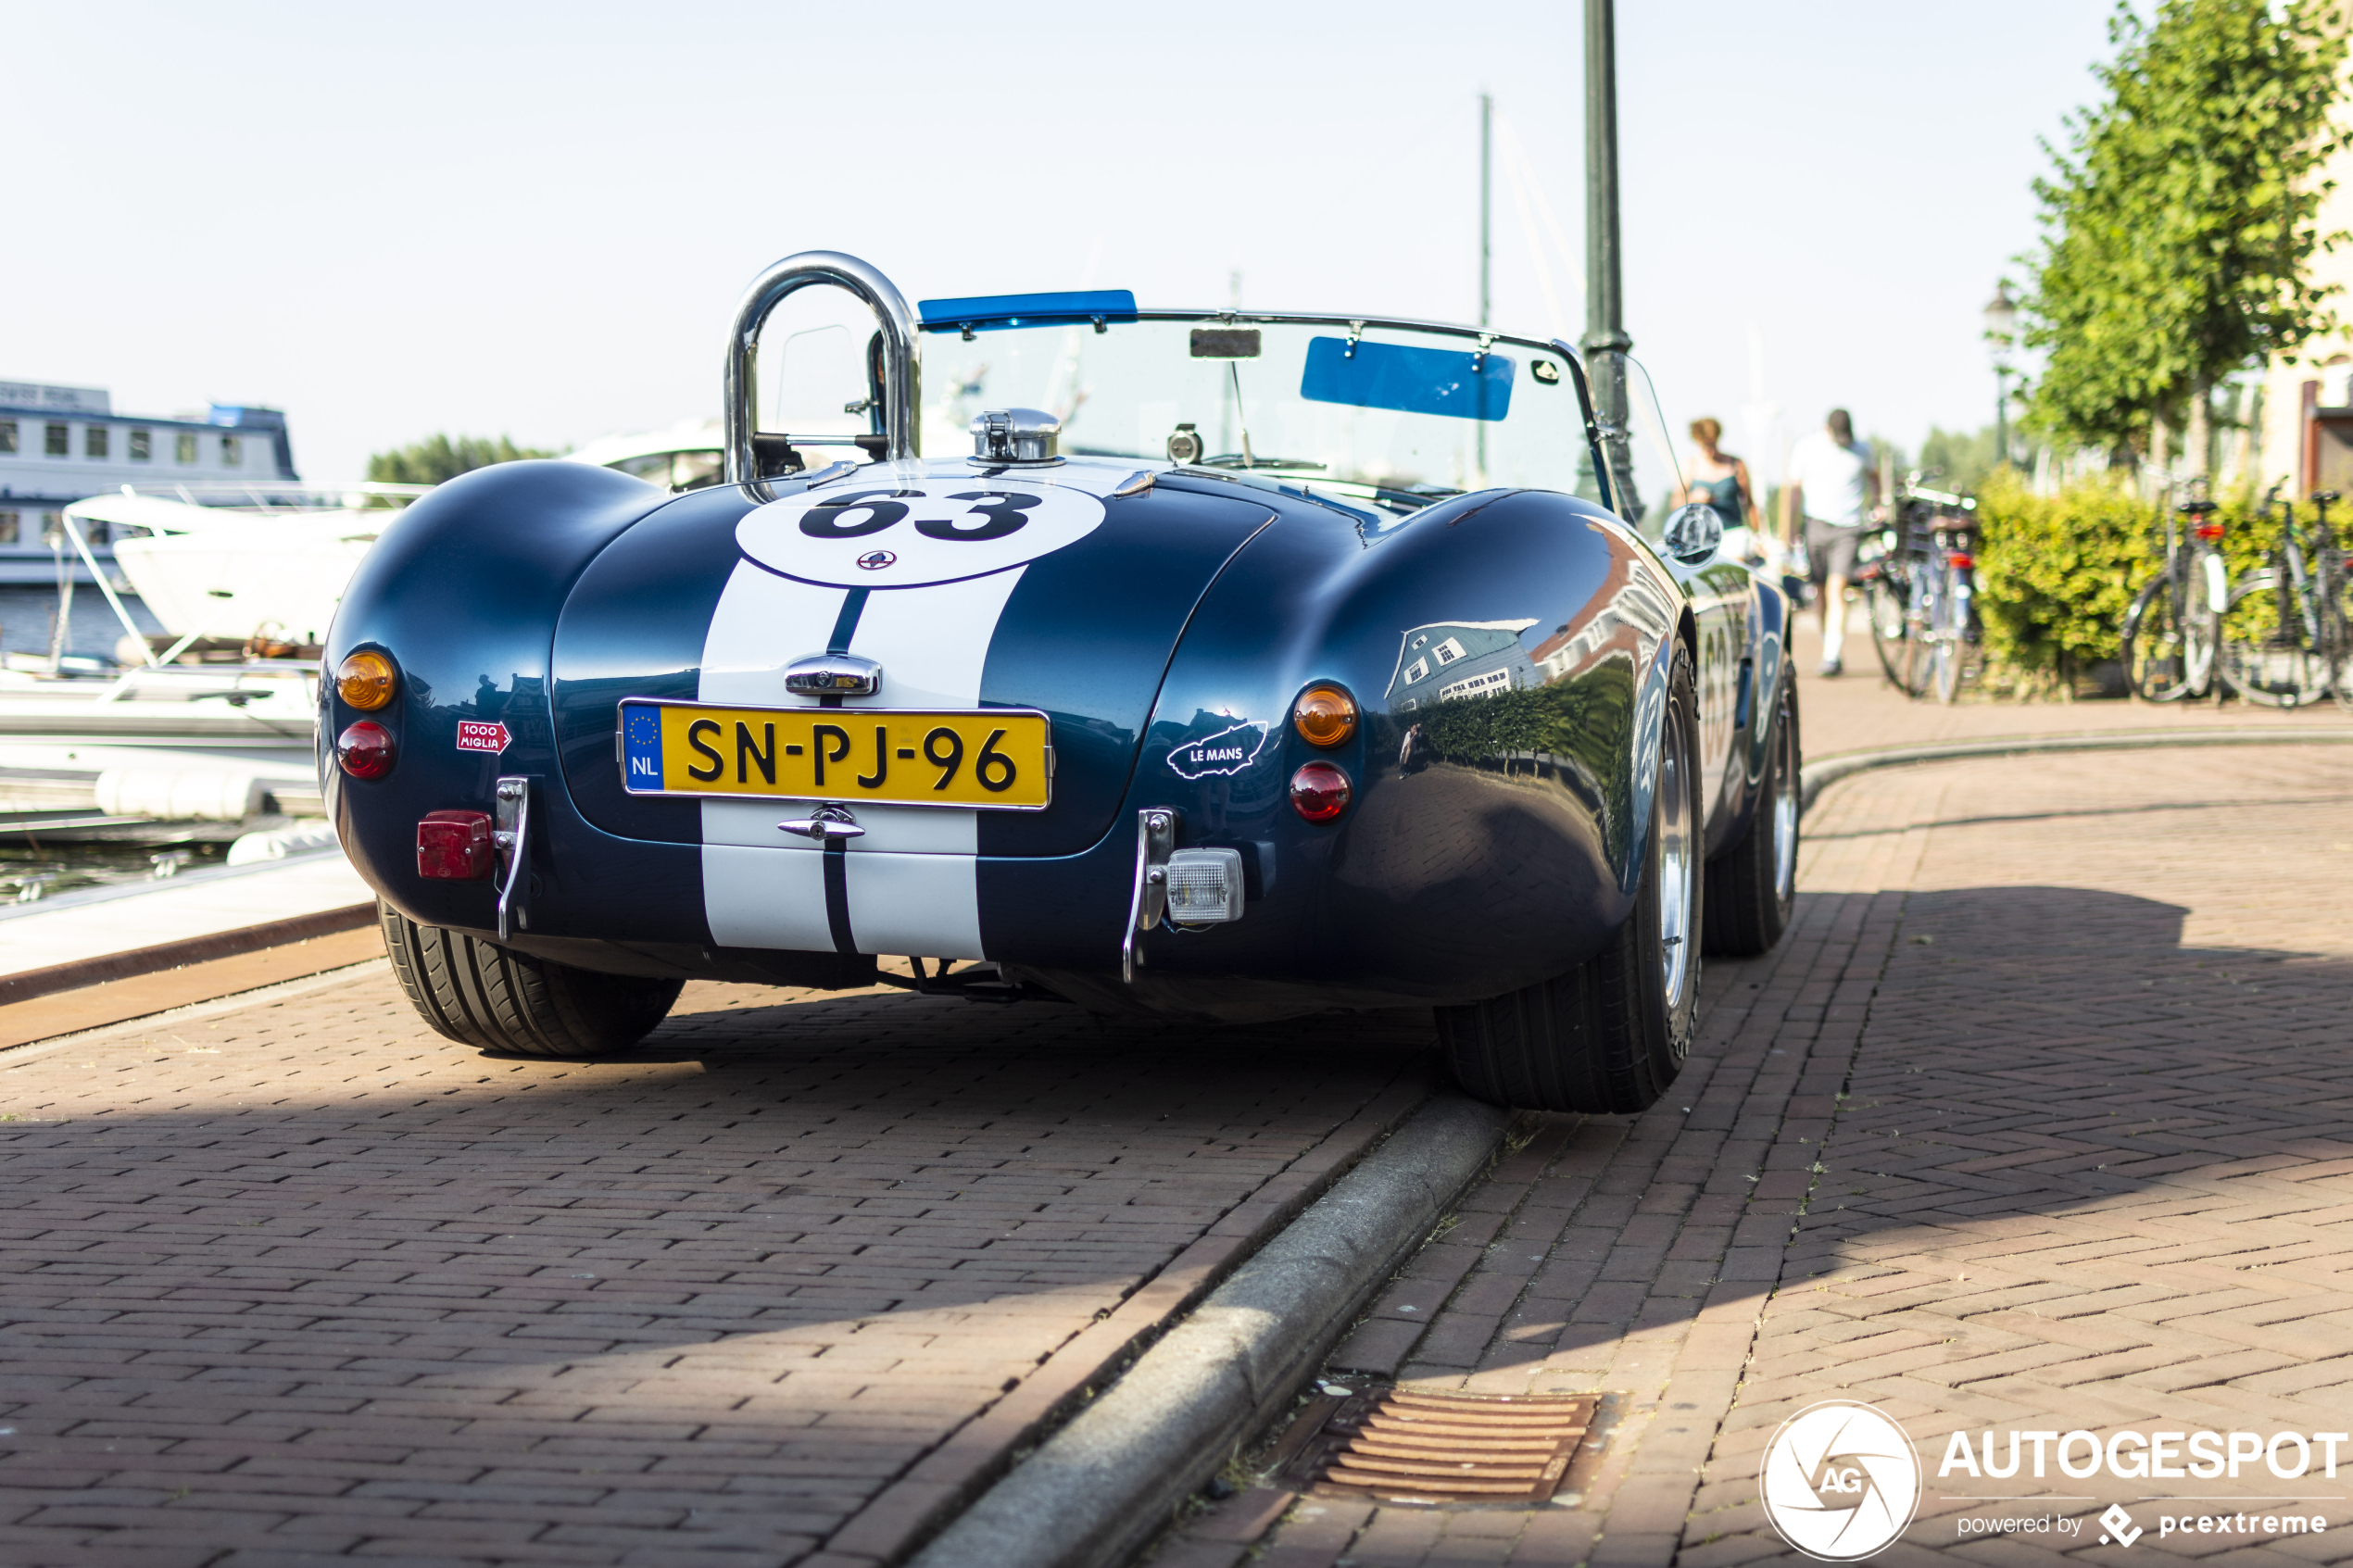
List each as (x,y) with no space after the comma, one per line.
(1920,590)
(2284,633)
(2174,624)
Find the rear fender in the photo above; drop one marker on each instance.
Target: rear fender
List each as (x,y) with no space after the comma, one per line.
(1495,838)
(462,591)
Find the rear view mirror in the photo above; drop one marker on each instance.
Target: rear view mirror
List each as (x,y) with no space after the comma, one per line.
(1692,532)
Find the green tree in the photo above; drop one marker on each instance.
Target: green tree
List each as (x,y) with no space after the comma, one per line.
(1963,461)
(2179,225)
(437,457)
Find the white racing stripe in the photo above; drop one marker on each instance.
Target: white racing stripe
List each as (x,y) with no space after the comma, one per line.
(912,878)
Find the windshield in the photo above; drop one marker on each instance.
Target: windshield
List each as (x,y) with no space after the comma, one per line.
(1395,414)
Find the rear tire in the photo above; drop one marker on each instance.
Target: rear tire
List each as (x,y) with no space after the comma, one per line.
(1751,888)
(499,999)
(1610,1036)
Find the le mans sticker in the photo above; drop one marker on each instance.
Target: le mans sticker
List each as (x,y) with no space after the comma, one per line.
(1228,751)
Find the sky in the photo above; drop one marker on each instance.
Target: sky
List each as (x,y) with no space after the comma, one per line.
(531,220)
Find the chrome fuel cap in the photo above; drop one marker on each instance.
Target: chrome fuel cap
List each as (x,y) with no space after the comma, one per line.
(1016,435)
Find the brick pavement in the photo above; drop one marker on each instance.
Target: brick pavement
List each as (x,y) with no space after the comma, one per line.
(293,1279)
(2036,1120)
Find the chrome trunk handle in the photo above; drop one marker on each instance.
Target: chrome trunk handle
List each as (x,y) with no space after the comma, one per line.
(901,369)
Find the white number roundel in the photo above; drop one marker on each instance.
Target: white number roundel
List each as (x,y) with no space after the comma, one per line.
(903,530)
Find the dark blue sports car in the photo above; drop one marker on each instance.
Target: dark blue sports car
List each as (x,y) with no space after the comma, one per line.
(1214,664)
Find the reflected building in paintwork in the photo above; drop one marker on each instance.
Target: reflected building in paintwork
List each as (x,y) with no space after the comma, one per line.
(1630,614)
(1457,658)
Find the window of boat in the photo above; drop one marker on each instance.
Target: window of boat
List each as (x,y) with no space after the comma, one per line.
(185,449)
(93,441)
(142,445)
(231,452)
(1398,417)
(11,524)
(56,441)
(7,435)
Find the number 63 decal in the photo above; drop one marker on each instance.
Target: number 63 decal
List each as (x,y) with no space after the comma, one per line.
(940,533)
(995,514)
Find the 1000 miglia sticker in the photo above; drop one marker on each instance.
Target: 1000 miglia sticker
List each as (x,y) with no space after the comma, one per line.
(911,525)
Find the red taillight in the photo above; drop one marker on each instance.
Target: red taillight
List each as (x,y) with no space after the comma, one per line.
(365,750)
(455,846)
(1961,561)
(1320,791)
(2207,531)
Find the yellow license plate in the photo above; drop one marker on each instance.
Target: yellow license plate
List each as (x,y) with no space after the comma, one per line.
(1001,758)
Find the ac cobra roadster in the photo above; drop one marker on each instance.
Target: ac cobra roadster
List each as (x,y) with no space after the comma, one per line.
(1222,665)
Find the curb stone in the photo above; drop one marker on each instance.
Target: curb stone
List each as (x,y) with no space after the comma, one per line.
(28,984)
(1819,775)
(1110,1480)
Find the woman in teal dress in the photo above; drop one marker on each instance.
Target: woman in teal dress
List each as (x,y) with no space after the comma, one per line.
(1720,480)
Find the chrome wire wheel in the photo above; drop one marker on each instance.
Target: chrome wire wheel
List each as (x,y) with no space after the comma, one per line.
(1678,863)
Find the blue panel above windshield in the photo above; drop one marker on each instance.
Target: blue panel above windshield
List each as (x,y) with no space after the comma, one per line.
(996,311)
(1408,379)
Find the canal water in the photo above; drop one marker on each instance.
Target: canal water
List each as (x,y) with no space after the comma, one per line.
(27,615)
(32,868)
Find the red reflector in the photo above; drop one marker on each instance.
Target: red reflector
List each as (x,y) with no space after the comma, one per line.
(2208,531)
(455,846)
(1320,791)
(365,750)
(1961,561)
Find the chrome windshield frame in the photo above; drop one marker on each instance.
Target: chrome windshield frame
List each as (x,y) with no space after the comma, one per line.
(1480,336)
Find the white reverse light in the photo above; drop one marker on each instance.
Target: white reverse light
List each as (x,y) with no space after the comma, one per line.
(1205,885)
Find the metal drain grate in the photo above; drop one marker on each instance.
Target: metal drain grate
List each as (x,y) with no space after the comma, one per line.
(1385,1442)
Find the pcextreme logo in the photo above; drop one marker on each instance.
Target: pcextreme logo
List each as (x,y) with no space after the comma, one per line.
(1839,1481)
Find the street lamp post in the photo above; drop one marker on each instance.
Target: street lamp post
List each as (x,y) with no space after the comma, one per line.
(1605,341)
(2001,324)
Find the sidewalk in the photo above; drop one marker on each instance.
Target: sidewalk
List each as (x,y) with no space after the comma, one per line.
(198,904)
(2035,1121)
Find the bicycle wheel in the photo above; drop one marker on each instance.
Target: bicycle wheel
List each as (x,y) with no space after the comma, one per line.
(2270,652)
(2160,660)
(1943,632)
(2336,638)
(1920,613)
(1884,600)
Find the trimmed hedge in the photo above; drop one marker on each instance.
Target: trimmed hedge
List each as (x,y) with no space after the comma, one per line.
(2056,573)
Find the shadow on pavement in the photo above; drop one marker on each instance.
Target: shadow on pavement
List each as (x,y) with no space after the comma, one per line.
(2030,1051)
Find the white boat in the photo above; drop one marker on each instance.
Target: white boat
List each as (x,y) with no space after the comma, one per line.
(239,563)
(685,457)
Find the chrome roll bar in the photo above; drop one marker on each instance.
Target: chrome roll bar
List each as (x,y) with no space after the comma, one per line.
(741,383)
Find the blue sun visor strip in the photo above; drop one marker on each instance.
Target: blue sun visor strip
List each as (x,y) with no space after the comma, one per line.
(1408,379)
(997,311)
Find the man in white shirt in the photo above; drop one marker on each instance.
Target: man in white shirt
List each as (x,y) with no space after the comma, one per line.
(1833,487)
